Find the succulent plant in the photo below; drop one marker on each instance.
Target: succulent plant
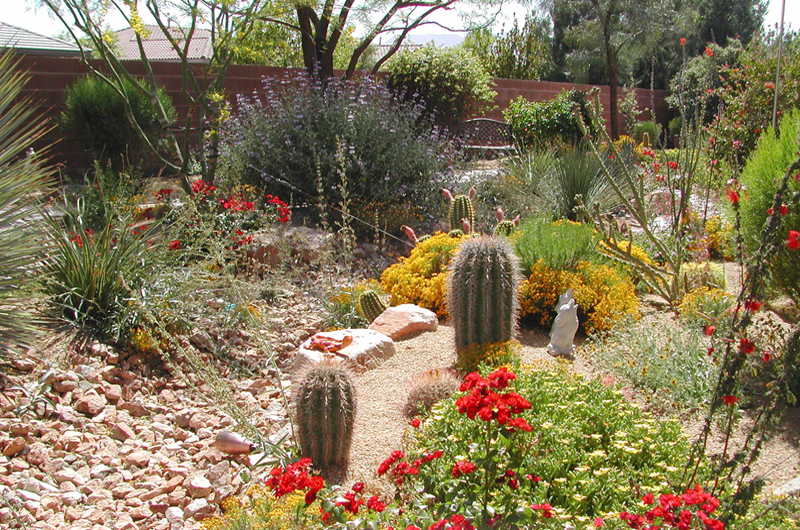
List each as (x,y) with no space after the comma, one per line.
(482,294)
(462,212)
(455,233)
(370,306)
(505,227)
(428,388)
(325,411)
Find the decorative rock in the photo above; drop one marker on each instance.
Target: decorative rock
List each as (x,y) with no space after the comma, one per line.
(198,508)
(403,320)
(91,403)
(69,475)
(790,488)
(71,498)
(100,471)
(121,432)
(15,447)
(198,486)
(368,350)
(174,515)
(139,458)
(564,327)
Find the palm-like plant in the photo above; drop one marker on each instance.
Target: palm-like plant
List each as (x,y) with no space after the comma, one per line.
(23,180)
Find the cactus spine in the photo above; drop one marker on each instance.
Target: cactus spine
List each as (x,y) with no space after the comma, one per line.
(370,306)
(325,409)
(482,296)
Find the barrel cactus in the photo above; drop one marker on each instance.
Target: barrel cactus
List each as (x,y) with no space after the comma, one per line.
(505,227)
(482,295)
(370,306)
(461,209)
(325,411)
(428,388)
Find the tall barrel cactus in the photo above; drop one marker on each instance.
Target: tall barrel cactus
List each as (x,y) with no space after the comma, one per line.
(325,410)
(461,209)
(482,297)
(370,306)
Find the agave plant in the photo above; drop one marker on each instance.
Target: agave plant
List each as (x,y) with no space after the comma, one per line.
(23,181)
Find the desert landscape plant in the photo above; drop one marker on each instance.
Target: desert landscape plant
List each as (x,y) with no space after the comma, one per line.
(24,184)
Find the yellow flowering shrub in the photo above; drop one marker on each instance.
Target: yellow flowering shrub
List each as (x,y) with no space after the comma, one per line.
(604,295)
(635,250)
(695,275)
(257,508)
(719,234)
(705,306)
(494,354)
(421,278)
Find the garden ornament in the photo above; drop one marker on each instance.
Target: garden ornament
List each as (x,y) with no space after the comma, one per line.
(562,334)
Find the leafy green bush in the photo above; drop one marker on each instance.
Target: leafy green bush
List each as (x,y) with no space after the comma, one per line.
(300,139)
(451,83)
(747,95)
(707,306)
(22,182)
(561,244)
(95,117)
(671,361)
(544,123)
(652,130)
(760,177)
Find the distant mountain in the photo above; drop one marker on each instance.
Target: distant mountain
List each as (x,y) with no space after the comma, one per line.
(446,39)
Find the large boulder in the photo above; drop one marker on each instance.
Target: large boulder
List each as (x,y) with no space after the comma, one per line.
(368,349)
(403,320)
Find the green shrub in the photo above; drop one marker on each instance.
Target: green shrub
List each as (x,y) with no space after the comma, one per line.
(561,244)
(95,116)
(694,275)
(760,177)
(747,94)
(451,83)
(312,143)
(544,123)
(672,362)
(652,130)
(23,181)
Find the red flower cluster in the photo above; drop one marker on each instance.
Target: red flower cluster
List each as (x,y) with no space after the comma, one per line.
(746,346)
(163,194)
(783,210)
(488,405)
(237,204)
(463,467)
(202,187)
(547,509)
(672,165)
(295,477)
(402,468)
(508,477)
(283,209)
(730,400)
(793,241)
(752,305)
(454,522)
(674,511)
(175,245)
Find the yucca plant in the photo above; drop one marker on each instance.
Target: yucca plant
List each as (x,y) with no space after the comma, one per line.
(23,181)
(92,275)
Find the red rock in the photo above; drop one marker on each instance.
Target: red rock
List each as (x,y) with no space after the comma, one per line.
(403,320)
(15,447)
(138,458)
(91,403)
(112,392)
(121,432)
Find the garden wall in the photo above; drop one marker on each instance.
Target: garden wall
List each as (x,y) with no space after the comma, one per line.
(49,76)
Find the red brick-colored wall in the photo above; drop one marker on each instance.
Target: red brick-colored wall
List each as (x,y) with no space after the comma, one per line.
(49,76)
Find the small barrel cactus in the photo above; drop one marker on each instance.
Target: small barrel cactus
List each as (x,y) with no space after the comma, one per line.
(370,306)
(462,212)
(482,294)
(325,411)
(505,227)
(429,388)
(455,233)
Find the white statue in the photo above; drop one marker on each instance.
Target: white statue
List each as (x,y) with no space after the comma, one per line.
(565,326)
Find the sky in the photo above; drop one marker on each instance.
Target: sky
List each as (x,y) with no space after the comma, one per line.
(20,13)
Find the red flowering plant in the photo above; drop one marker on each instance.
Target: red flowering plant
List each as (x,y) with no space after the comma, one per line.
(214,220)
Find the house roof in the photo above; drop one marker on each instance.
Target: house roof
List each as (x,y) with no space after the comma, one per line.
(158,48)
(27,42)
